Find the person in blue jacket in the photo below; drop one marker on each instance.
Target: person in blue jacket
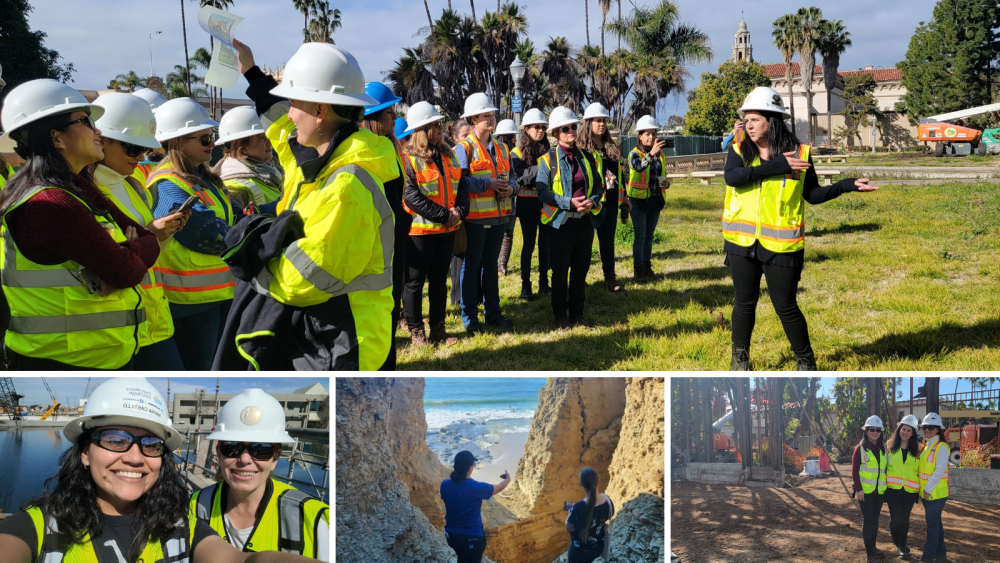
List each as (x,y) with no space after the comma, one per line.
(463,499)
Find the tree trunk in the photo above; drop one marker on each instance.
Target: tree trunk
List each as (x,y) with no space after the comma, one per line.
(586,18)
(426,7)
(932,387)
(211,91)
(829,116)
(706,397)
(473,4)
(791,103)
(619,19)
(305,24)
(809,117)
(187,59)
(777,442)
(604,18)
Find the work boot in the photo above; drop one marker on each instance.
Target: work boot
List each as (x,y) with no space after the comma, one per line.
(741,359)
(806,361)
(508,241)
(611,283)
(417,337)
(648,268)
(543,284)
(526,293)
(439,334)
(639,271)
(563,323)
(879,554)
(903,552)
(872,559)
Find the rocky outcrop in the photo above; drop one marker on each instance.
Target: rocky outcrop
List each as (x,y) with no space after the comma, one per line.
(416,464)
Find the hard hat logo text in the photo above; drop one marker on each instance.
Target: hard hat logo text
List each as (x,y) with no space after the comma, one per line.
(251,416)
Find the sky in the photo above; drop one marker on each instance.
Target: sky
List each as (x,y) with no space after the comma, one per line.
(107,38)
(34,390)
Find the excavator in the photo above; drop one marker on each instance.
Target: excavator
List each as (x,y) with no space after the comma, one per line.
(949,138)
(55,403)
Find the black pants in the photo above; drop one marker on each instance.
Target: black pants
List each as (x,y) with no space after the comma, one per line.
(572,244)
(17,362)
(456,278)
(469,549)
(584,555)
(870,509)
(606,234)
(427,257)
(401,232)
(529,214)
(782,283)
(900,504)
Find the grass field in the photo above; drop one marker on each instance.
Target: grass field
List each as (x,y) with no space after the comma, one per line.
(915,159)
(899,279)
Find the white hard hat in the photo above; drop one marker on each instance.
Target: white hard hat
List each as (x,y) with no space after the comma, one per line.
(252,416)
(646,123)
(560,116)
(933,419)
(595,110)
(534,116)
(477,104)
(239,123)
(128,119)
(152,97)
(125,401)
(2,83)
(39,99)
(873,422)
(910,420)
(420,114)
(181,116)
(763,99)
(506,127)
(325,74)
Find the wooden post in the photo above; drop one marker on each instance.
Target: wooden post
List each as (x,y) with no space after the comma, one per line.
(685,420)
(777,442)
(706,396)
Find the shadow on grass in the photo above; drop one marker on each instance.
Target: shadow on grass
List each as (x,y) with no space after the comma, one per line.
(927,342)
(846,229)
(695,204)
(711,273)
(677,254)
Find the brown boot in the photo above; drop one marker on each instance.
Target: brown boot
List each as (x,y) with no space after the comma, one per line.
(417,338)
(611,283)
(508,242)
(639,271)
(648,270)
(439,334)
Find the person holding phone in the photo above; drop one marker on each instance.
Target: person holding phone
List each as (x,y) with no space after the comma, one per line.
(524,164)
(646,183)
(60,229)
(463,499)
(588,536)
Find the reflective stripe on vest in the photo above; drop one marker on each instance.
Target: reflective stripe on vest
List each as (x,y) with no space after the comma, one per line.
(871,473)
(638,182)
(486,204)
(903,475)
(523,191)
(928,465)
(440,187)
(322,279)
(556,184)
(260,193)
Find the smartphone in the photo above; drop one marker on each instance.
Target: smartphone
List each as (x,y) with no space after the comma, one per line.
(90,281)
(567,505)
(188,204)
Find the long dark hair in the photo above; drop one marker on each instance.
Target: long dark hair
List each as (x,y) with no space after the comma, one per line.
(532,150)
(585,140)
(43,164)
(896,442)
(71,498)
(588,480)
(780,139)
(880,444)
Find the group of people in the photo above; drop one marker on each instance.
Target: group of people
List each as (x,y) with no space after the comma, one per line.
(900,473)
(312,239)
(463,497)
(119,496)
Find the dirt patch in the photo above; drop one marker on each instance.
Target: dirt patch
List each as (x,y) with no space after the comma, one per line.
(813,520)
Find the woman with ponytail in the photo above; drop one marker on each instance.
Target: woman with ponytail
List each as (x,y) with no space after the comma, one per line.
(463,498)
(586,520)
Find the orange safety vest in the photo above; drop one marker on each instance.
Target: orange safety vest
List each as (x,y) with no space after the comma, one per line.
(441,187)
(486,205)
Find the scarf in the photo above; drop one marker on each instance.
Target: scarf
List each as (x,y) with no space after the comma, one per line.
(230,168)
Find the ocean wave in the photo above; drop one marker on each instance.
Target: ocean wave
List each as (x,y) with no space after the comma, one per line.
(493,401)
(437,418)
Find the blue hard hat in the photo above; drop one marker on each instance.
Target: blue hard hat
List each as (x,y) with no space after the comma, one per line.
(382,94)
(402,130)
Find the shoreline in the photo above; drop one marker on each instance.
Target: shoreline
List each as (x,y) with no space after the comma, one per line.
(505,456)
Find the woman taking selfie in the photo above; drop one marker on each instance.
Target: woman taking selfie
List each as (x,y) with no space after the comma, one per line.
(868,470)
(246,168)
(902,480)
(73,260)
(463,499)
(771,165)
(524,165)
(585,524)
(118,495)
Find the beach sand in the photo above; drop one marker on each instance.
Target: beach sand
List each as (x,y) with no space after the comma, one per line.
(505,454)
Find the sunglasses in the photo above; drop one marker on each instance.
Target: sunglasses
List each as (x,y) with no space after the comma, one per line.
(206,139)
(86,120)
(260,452)
(120,441)
(567,128)
(875,430)
(132,151)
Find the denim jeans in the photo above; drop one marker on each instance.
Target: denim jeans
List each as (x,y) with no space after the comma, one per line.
(160,356)
(483,250)
(934,547)
(644,224)
(197,334)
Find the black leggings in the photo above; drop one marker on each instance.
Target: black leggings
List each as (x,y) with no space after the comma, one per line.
(427,257)
(900,505)
(469,549)
(782,283)
(584,555)
(529,214)
(870,509)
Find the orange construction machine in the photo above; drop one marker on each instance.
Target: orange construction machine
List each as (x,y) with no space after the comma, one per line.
(952,139)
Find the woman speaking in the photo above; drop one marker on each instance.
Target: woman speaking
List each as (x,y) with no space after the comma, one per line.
(463,498)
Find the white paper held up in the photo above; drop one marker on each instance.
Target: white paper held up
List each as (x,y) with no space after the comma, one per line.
(224,70)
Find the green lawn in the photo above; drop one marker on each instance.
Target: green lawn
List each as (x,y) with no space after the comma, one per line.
(900,279)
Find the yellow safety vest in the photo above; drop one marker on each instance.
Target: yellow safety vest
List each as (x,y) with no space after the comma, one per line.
(523,191)
(486,204)
(259,192)
(8,171)
(556,184)
(189,277)
(771,211)
(927,467)
(159,324)
(142,171)
(54,316)
(638,182)
(903,475)
(288,522)
(176,548)
(872,471)
(441,187)
(348,245)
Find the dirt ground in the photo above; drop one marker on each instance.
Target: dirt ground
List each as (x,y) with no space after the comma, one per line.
(814,520)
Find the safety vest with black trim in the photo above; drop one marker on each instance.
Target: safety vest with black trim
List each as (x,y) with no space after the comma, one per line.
(871,472)
(159,324)
(441,187)
(174,549)
(638,182)
(928,466)
(771,211)
(903,474)
(289,521)
(523,191)
(189,277)
(556,184)
(53,314)
(486,204)
(6,176)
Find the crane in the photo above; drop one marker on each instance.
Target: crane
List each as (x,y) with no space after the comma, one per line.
(956,139)
(55,403)
(9,398)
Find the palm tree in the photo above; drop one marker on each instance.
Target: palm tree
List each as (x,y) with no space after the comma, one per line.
(129,82)
(785,32)
(562,72)
(810,21)
(176,82)
(325,22)
(605,8)
(305,6)
(619,17)
(411,80)
(473,3)
(430,20)
(586,18)
(833,42)
(187,59)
